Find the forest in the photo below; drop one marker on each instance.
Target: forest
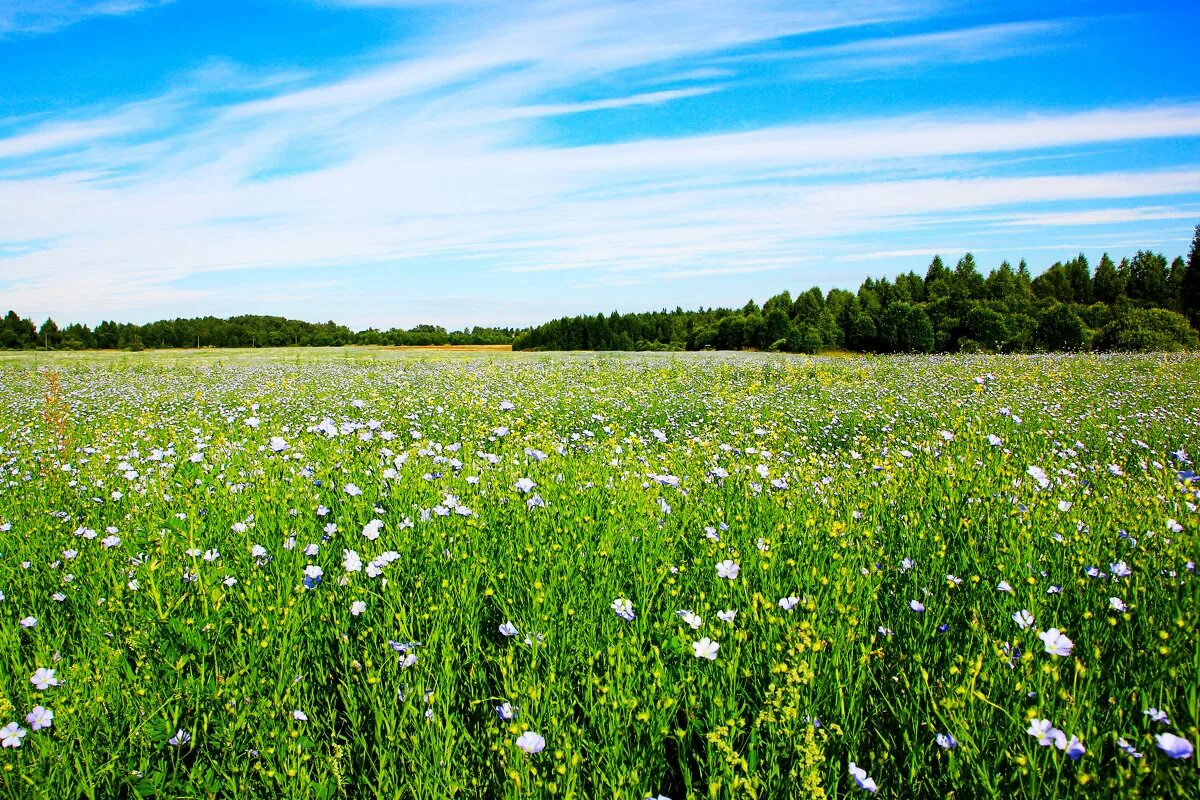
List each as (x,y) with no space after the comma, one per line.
(1142,303)
(17,333)
(1139,304)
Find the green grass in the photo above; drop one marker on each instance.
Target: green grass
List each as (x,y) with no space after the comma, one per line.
(626,709)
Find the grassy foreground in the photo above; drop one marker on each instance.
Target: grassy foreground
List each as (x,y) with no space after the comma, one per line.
(710,575)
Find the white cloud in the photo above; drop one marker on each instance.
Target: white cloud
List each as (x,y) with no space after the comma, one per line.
(434,159)
(44,16)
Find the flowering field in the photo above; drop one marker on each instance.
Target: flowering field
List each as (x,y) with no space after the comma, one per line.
(490,575)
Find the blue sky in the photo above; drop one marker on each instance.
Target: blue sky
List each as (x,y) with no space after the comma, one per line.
(392,162)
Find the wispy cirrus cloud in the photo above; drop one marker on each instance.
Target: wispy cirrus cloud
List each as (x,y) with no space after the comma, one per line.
(453,159)
(876,54)
(31,17)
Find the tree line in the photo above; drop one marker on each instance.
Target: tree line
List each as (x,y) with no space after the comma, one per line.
(1142,303)
(17,333)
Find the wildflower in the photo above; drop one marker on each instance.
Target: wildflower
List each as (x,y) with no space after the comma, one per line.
(1057,644)
(358,607)
(524,485)
(1073,748)
(1116,603)
(40,718)
(691,618)
(28,622)
(180,739)
(531,742)
(727,616)
(1004,586)
(907,564)
(312,576)
(352,490)
(862,780)
(994,440)
(1174,746)
(507,712)
(946,741)
(278,445)
(706,648)
(299,716)
(1039,475)
(43,679)
(508,629)
(351,562)
(1023,619)
(229,580)
(1127,748)
(371,529)
(1157,716)
(623,609)
(728,570)
(788,603)
(11,735)
(1119,569)
(917,606)
(1043,730)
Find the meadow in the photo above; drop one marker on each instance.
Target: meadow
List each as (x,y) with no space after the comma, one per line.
(367,573)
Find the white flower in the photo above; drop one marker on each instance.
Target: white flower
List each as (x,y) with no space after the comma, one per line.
(299,716)
(508,629)
(1174,746)
(728,570)
(623,609)
(11,735)
(706,648)
(531,742)
(352,490)
(1057,644)
(1044,731)
(1116,604)
(727,616)
(1023,619)
(862,779)
(40,718)
(43,679)
(358,607)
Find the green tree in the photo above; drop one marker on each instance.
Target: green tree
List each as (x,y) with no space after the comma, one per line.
(1189,288)
(906,328)
(1108,285)
(1147,278)
(1147,330)
(1060,328)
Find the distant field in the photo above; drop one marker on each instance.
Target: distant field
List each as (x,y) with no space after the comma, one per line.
(464,348)
(367,572)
